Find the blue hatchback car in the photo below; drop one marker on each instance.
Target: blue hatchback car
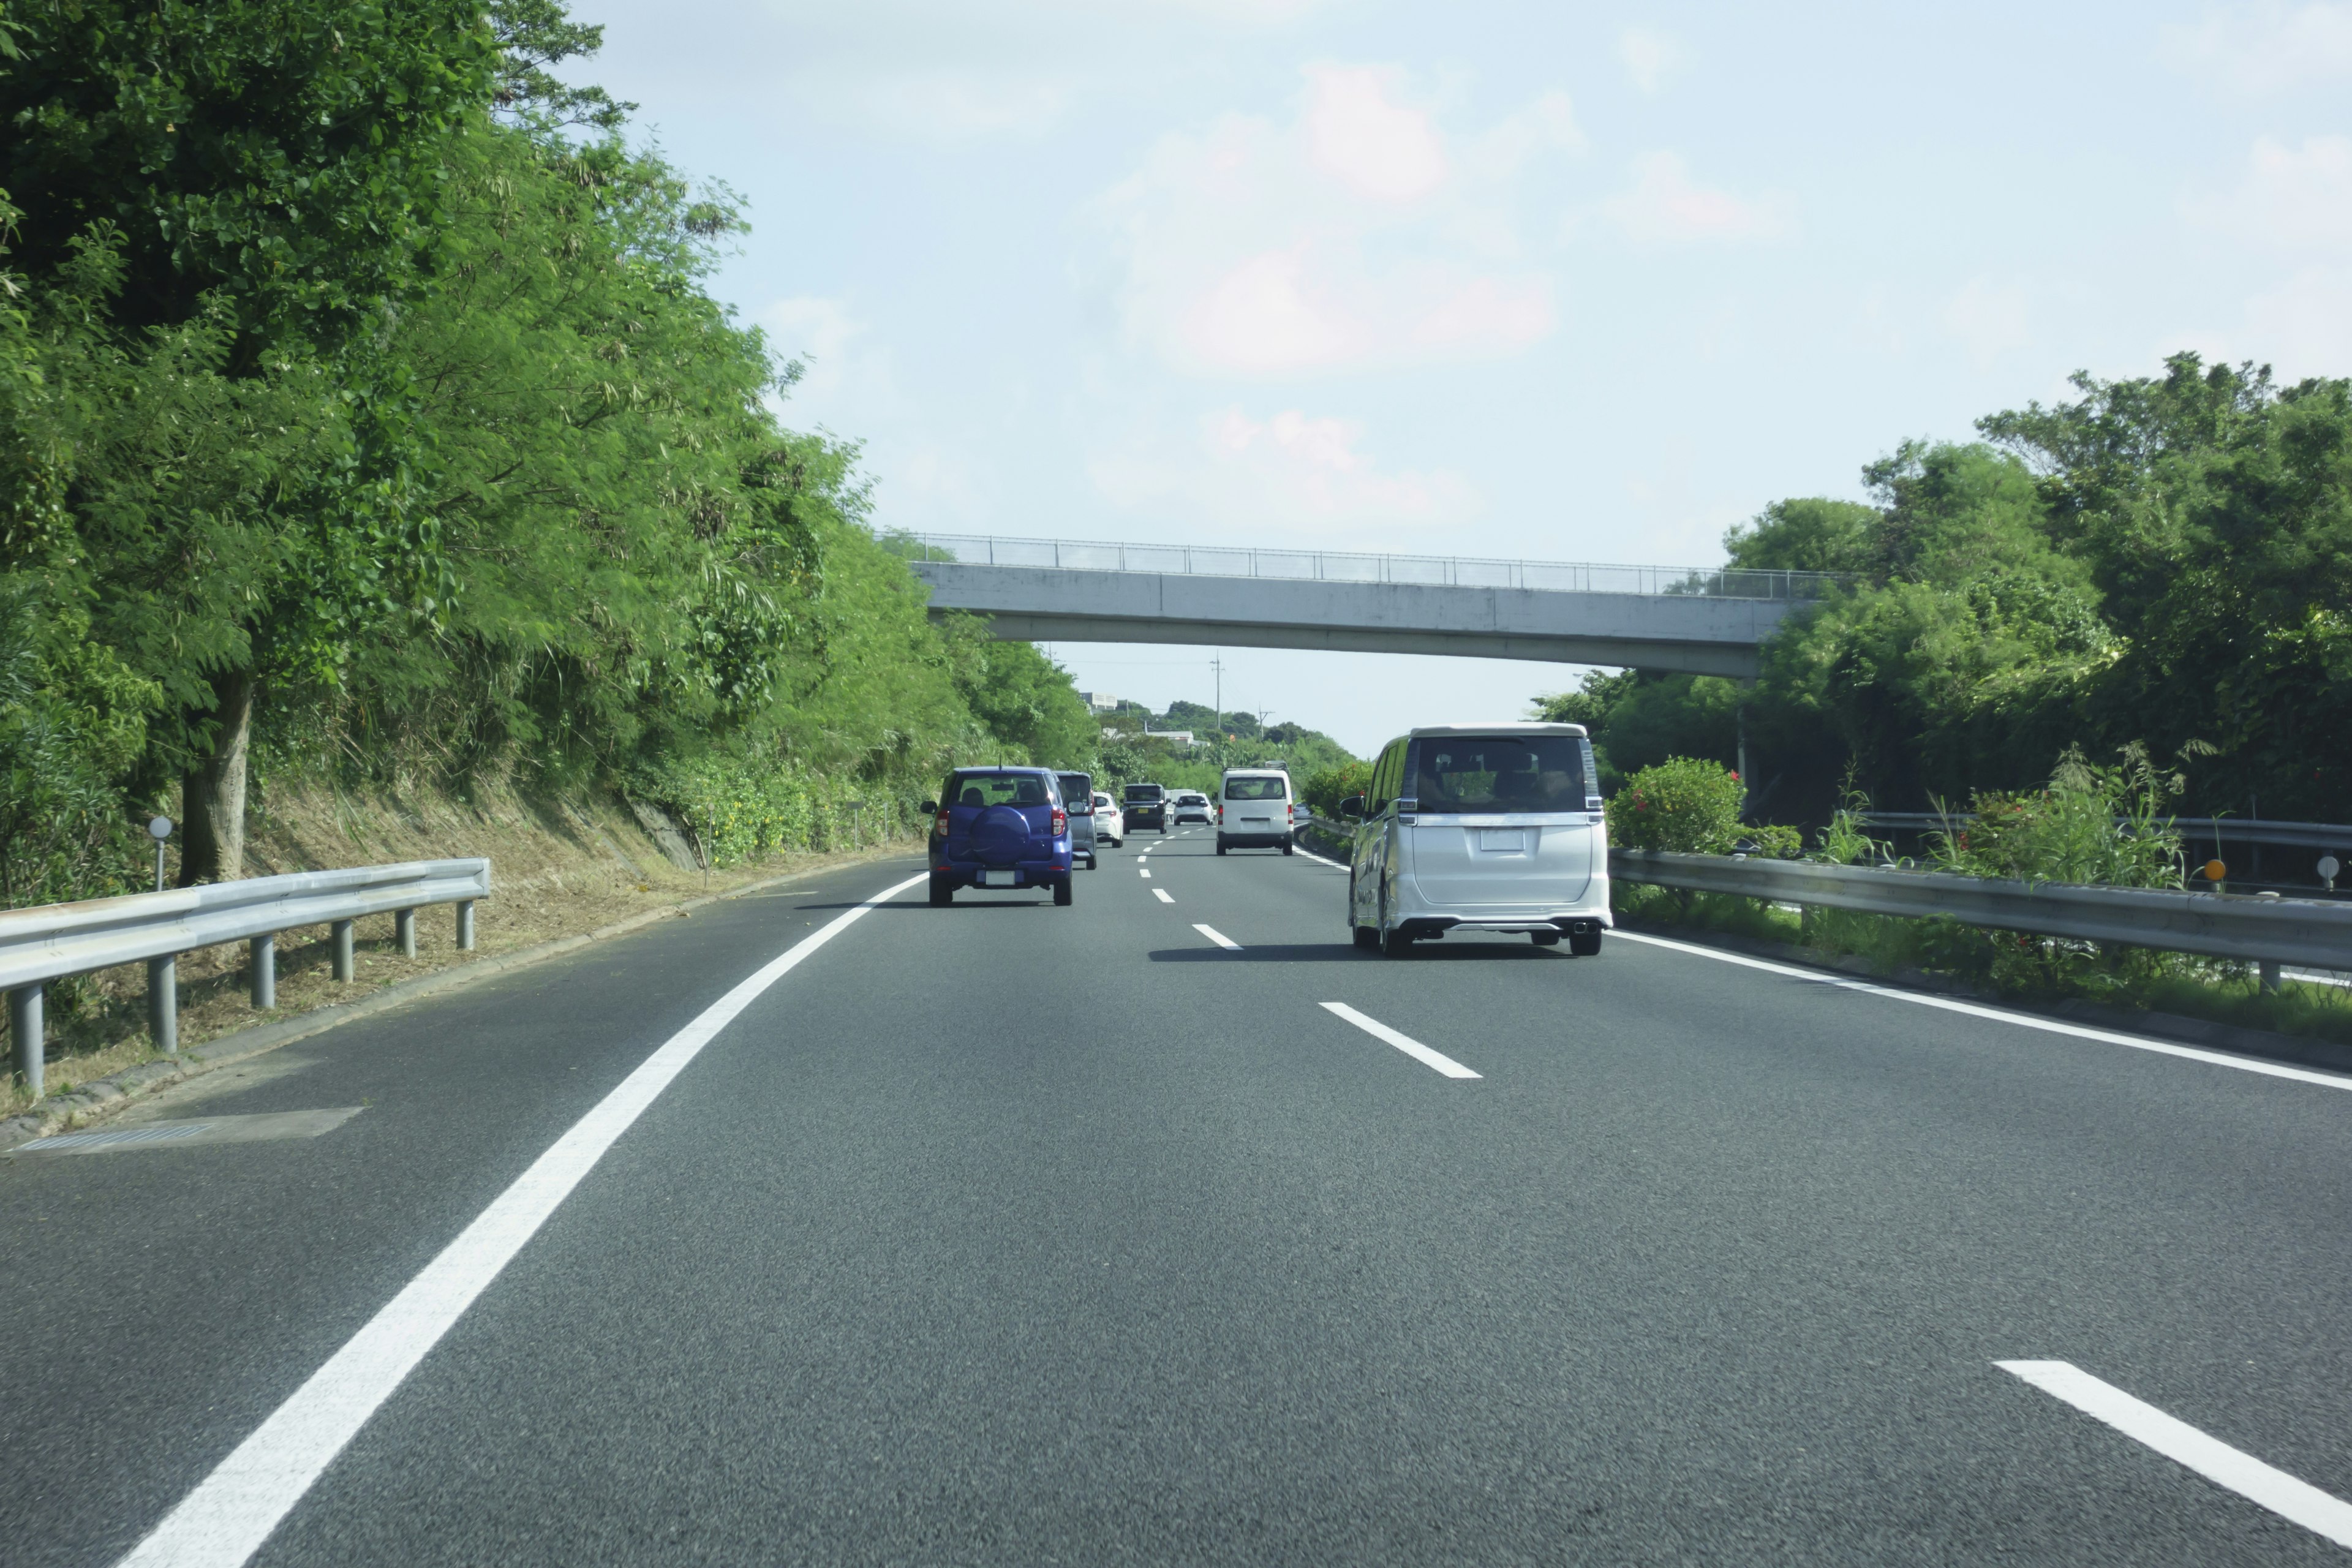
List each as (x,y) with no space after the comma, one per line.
(1000,827)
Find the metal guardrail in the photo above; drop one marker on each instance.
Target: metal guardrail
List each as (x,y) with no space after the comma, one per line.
(1343,567)
(53,940)
(2192,829)
(2258,929)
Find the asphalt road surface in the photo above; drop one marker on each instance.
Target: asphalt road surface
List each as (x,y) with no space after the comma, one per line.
(1169,1229)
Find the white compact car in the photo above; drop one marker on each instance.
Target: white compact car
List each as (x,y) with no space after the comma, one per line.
(1189,805)
(1480,828)
(1110,823)
(1253,810)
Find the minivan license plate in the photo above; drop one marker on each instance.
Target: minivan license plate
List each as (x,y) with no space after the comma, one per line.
(998,878)
(1505,840)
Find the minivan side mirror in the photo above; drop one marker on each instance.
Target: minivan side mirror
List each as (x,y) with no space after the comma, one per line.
(1353,806)
(930,808)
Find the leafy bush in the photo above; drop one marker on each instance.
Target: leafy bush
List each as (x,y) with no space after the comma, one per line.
(1683,803)
(1323,791)
(739,811)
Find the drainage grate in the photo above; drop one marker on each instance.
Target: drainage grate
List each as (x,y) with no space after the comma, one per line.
(126,1135)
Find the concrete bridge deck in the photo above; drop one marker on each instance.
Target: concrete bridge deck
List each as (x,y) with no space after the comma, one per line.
(1707,622)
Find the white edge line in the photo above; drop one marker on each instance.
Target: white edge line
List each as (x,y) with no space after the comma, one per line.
(2049,1026)
(2240,1473)
(1319,860)
(1404,1043)
(1213,934)
(1162,894)
(223,1521)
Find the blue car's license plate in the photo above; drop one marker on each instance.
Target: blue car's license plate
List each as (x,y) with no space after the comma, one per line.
(999,879)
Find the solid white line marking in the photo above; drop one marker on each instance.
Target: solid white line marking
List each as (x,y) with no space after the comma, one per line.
(2050,1025)
(1404,1043)
(2218,1462)
(1162,894)
(1220,937)
(233,1510)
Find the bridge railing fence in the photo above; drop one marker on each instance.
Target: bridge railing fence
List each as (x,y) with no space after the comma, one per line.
(1348,566)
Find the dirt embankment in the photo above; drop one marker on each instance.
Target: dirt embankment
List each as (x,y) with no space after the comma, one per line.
(558,867)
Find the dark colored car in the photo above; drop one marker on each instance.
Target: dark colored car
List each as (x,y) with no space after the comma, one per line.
(1146,805)
(1000,827)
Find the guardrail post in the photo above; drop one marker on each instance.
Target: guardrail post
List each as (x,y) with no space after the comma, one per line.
(163,1003)
(262,952)
(345,968)
(466,925)
(25,1025)
(403,925)
(2270,967)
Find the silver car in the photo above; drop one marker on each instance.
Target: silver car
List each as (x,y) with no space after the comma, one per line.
(1079,802)
(1480,828)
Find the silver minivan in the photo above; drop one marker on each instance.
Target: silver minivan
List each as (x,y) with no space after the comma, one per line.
(1480,828)
(1078,802)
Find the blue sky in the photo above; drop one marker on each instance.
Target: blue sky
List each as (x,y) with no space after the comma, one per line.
(1538,281)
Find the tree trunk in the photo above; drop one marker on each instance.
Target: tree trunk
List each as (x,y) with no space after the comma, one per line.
(213,792)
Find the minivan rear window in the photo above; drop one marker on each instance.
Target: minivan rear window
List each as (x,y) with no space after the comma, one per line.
(1254,789)
(1144,792)
(1500,772)
(1077,792)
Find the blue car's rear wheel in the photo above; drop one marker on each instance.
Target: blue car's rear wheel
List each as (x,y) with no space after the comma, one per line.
(942,891)
(1062,892)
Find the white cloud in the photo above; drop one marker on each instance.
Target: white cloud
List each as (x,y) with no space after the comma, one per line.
(1351,237)
(1648,56)
(2297,200)
(2304,326)
(957,71)
(1665,206)
(1988,320)
(1358,133)
(845,382)
(2266,47)
(1296,473)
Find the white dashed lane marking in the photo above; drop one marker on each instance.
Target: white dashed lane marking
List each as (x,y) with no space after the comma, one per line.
(1160,893)
(1403,1042)
(2176,1440)
(1212,932)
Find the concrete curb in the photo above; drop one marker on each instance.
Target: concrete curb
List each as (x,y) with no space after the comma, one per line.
(2265,1044)
(102,1096)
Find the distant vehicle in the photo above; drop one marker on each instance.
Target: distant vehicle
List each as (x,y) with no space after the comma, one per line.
(1191,806)
(1110,823)
(1489,827)
(999,828)
(1146,805)
(1301,813)
(1253,810)
(1078,800)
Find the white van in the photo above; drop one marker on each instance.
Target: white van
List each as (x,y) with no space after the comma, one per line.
(1253,810)
(1480,828)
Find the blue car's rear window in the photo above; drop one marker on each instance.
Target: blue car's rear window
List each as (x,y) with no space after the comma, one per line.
(997,789)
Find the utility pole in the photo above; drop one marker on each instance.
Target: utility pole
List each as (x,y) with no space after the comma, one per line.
(1217,723)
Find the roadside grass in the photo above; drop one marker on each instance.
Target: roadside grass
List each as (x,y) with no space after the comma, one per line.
(558,868)
(2213,991)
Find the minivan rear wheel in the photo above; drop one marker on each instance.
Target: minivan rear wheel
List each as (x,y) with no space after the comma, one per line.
(1394,943)
(1584,944)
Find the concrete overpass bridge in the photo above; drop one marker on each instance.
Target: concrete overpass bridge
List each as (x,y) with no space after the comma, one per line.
(1707,621)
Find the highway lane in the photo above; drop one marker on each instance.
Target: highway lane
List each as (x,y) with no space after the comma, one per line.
(1009,1234)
